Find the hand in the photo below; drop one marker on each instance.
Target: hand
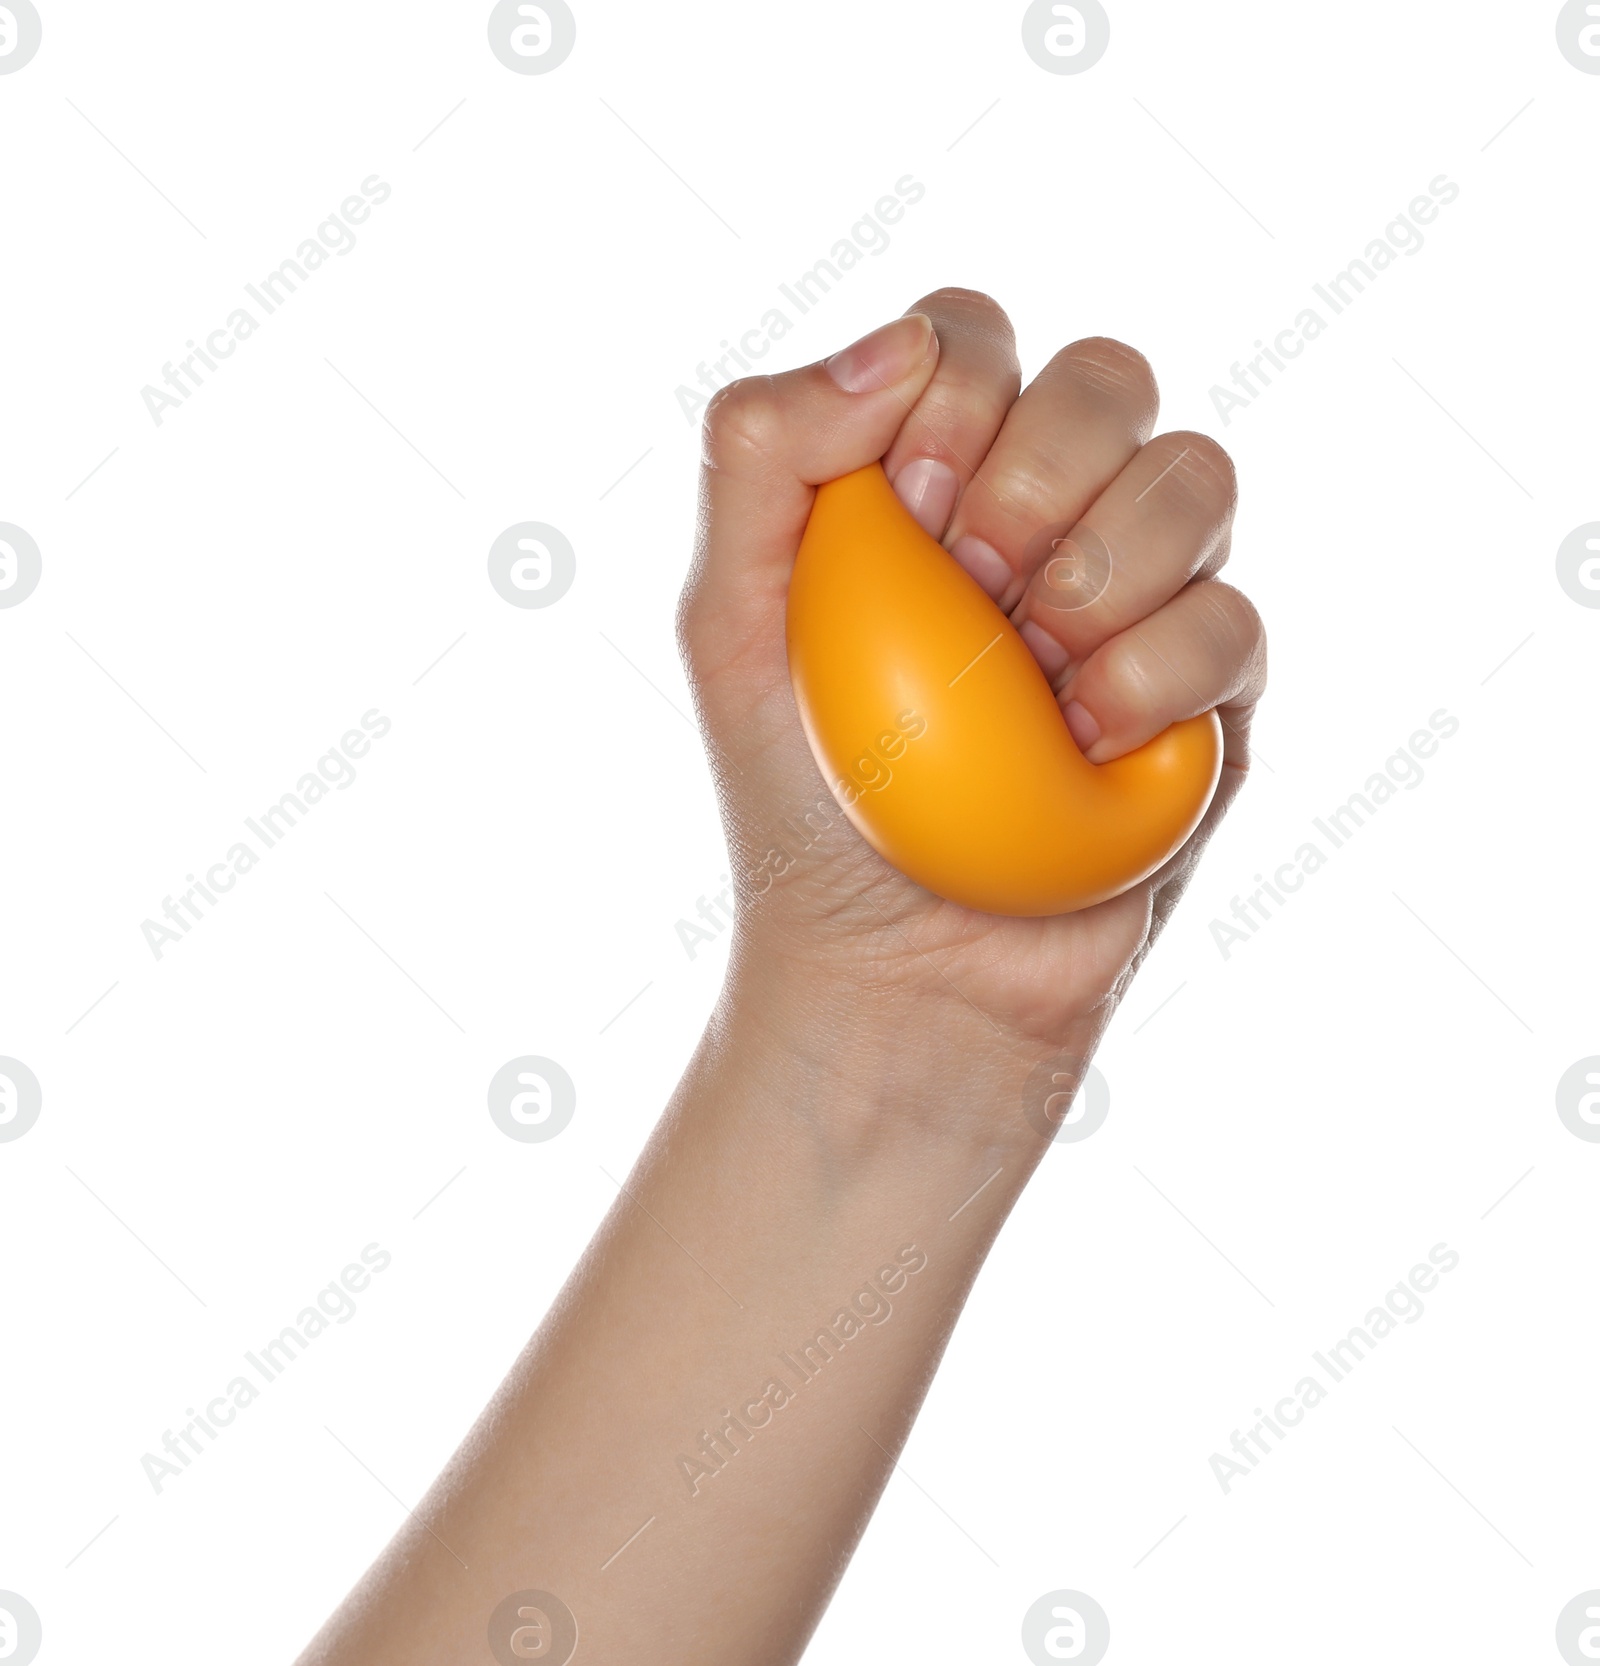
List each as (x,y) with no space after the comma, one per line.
(983,468)
(860,1017)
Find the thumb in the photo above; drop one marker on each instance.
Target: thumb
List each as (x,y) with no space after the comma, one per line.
(770,440)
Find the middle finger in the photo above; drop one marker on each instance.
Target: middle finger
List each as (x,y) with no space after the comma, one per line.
(1069,435)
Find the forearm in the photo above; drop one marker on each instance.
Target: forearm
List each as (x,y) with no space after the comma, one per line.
(736,1358)
(683,1458)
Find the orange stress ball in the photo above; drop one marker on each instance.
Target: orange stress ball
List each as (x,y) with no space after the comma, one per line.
(939,734)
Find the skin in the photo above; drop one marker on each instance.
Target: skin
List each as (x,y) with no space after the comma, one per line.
(863,1098)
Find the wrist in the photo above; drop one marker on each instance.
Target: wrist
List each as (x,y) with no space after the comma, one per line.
(882,1070)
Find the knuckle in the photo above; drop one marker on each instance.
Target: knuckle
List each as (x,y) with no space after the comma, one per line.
(969,305)
(743,422)
(1232,608)
(1199,471)
(1114,368)
(1233,627)
(978,347)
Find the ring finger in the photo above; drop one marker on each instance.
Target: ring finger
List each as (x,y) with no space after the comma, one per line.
(1164,521)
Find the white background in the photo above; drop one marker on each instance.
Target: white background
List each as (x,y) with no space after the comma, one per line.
(1363,1079)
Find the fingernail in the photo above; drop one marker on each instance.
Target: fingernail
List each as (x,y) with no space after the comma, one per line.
(885,357)
(1049,653)
(927,488)
(1081,724)
(984,562)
